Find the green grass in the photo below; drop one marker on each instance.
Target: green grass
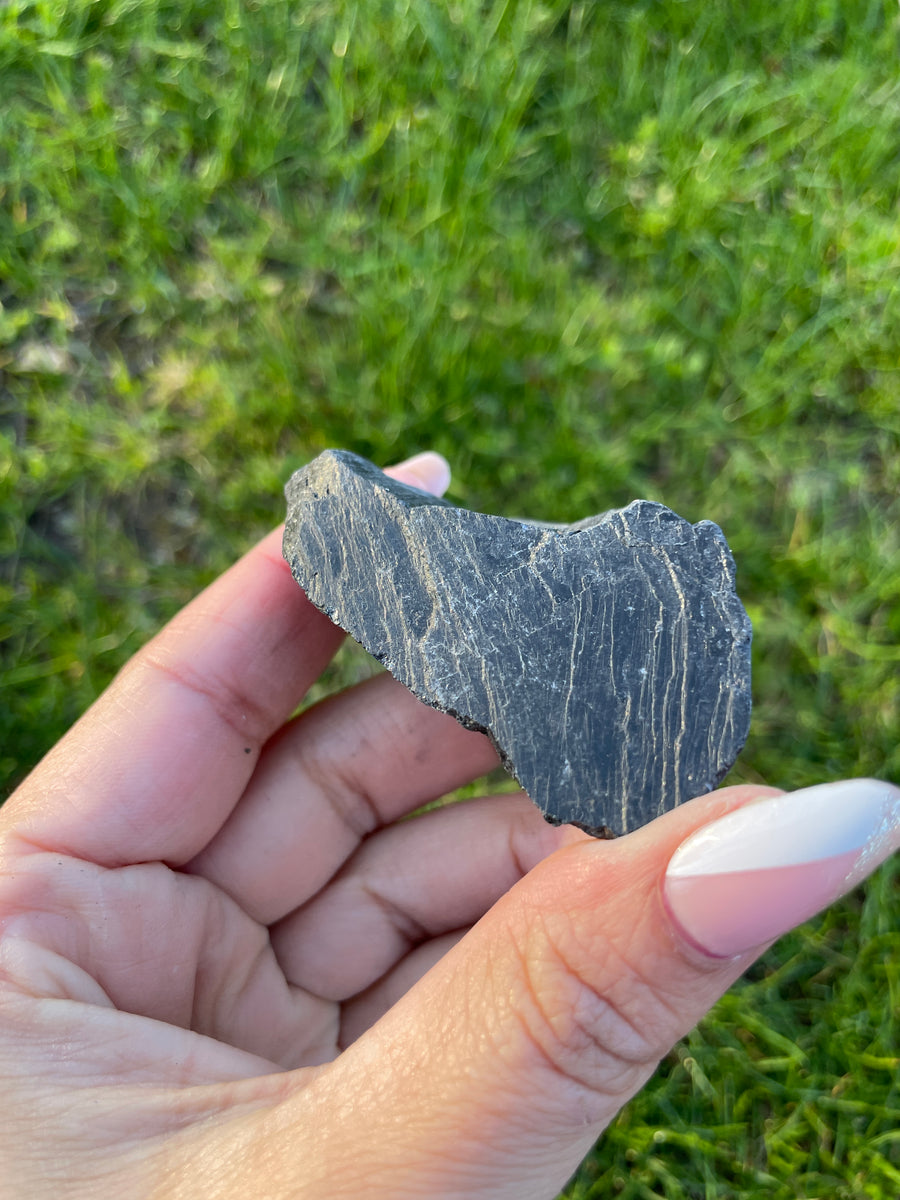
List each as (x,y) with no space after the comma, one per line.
(589,252)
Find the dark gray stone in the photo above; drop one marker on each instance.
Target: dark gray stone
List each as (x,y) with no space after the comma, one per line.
(608,661)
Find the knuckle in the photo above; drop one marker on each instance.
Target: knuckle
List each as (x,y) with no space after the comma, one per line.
(601,1026)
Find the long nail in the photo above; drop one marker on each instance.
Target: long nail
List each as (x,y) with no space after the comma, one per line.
(429,470)
(759,871)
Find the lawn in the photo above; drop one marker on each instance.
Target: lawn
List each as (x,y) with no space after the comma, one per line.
(587,251)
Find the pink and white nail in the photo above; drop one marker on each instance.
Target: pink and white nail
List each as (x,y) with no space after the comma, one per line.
(759,871)
(428,470)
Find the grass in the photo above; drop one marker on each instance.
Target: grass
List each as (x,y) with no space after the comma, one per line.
(589,252)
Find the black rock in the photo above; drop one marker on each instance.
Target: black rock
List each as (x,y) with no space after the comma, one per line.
(608,661)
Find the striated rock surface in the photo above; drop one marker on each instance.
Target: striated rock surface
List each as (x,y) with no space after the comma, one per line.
(608,661)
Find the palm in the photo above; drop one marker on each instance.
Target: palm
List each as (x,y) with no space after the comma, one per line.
(181,971)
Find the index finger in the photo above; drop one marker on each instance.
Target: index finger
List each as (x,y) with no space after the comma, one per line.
(154,767)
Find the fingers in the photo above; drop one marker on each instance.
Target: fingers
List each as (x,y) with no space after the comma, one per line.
(355,762)
(413,882)
(361,1013)
(155,766)
(493,1076)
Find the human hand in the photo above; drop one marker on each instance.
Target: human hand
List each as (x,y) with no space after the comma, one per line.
(228,968)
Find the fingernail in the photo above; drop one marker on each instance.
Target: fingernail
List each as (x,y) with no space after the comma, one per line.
(759,871)
(431,469)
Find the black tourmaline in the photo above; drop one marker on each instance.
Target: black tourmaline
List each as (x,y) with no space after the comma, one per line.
(608,661)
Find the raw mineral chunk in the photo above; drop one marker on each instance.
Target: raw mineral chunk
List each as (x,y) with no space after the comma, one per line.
(607,661)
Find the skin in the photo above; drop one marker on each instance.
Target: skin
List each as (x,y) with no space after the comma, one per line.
(229,969)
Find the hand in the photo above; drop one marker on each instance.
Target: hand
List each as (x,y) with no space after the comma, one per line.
(229,969)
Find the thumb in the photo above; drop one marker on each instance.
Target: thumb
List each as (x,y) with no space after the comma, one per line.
(496,1073)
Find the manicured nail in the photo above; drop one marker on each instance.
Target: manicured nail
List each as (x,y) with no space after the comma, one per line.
(756,873)
(431,469)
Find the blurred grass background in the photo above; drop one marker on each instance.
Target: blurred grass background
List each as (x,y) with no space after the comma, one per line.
(587,251)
